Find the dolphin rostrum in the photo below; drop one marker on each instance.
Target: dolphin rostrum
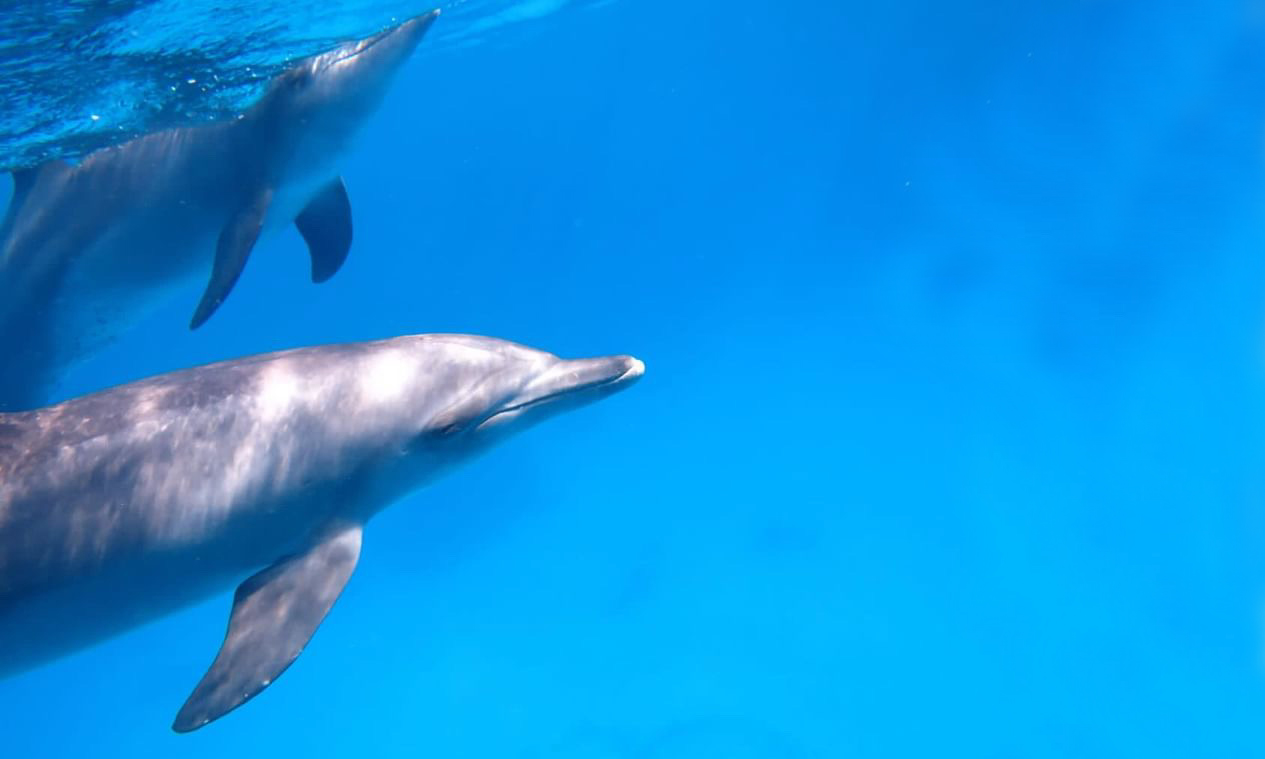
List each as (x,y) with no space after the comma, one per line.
(87,249)
(122,506)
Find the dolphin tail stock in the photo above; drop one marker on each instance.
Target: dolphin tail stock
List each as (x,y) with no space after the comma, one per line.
(275,613)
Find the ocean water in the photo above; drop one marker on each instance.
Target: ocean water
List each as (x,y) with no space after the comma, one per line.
(952,436)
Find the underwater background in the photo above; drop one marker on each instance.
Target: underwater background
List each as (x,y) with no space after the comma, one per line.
(952,437)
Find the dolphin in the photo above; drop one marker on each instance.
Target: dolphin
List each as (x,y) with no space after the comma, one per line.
(122,506)
(88,249)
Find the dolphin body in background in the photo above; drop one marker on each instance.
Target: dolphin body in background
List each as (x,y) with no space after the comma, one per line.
(88,249)
(122,506)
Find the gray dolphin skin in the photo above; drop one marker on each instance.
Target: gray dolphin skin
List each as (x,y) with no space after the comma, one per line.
(87,250)
(119,507)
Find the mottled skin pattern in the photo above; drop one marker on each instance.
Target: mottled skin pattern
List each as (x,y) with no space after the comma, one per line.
(87,250)
(125,505)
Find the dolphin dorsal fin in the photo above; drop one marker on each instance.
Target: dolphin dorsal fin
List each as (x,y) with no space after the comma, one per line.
(326,228)
(23,181)
(275,613)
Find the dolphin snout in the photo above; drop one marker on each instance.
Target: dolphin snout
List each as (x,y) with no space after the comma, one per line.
(586,378)
(584,373)
(636,368)
(568,384)
(414,27)
(396,42)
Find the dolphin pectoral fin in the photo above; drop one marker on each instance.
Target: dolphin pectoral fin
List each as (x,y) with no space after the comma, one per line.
(274,615)
(234,246)
(326,227)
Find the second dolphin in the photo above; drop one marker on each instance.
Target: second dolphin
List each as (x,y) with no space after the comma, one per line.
(87,249)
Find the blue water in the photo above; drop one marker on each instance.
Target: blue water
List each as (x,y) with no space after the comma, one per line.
(952,437)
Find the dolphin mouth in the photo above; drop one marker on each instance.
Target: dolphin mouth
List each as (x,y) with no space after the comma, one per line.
(626,370)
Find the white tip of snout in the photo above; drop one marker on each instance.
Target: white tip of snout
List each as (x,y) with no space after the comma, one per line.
(635,369)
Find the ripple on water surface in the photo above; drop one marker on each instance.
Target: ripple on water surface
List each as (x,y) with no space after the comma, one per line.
(76,75)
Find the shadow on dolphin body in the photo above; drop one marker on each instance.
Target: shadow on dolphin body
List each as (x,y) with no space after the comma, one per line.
(88,249)
(126,505)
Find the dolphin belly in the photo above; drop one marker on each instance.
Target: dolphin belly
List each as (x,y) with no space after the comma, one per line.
(51,605)
(91,548)
(45,624)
